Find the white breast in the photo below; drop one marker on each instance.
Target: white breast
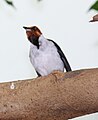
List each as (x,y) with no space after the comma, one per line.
(45,59)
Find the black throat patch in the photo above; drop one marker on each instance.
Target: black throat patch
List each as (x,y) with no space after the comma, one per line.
(34,41)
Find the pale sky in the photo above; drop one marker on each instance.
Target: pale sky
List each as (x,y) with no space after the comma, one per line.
(64,21)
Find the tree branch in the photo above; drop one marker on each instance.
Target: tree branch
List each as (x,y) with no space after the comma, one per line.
(95,18)
(58,96)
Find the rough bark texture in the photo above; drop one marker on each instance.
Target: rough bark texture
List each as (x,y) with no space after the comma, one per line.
(58,96)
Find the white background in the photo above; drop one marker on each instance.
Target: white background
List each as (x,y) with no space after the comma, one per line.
(64,21)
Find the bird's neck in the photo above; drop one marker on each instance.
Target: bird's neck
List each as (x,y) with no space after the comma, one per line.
(41,38)
(40,42)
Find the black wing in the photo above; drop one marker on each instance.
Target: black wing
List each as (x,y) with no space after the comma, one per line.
(38,74)
(62,56)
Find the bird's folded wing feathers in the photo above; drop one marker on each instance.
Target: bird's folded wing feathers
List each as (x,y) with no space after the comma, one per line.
(62,56)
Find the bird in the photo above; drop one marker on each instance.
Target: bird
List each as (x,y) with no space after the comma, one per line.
(45,55)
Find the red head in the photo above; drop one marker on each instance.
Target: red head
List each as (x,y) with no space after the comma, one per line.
(33,34)
(32,31)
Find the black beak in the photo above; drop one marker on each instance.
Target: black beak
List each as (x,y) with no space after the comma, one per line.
(25,27)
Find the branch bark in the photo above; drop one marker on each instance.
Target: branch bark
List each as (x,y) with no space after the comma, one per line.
(95,18)
(58,96)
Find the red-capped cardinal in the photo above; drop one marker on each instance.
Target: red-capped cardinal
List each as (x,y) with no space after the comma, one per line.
(45,55)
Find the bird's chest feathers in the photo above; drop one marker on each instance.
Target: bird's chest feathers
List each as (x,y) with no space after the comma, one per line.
(47,53)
